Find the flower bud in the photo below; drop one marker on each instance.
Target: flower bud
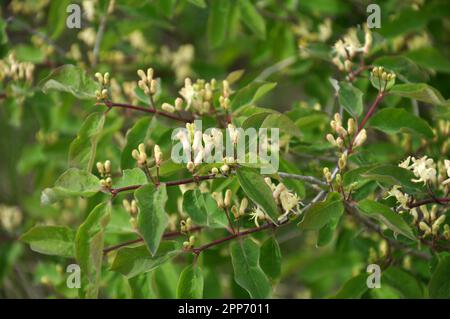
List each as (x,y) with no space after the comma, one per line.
(214,171)
(107,167)
(168,107)
(178,103)
(218,198)
(142,75)
(243,206)
(190,166)
(351,126)
(227,201)
(157,154)
(224,168)
(100,168)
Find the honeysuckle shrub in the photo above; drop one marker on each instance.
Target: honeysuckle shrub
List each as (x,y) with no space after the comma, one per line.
(90,118)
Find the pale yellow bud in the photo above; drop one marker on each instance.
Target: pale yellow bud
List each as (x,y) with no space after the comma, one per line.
(243,206)
(351,126)
(227,200)
(141,74)
(168,107)
(108,167)
(100,168)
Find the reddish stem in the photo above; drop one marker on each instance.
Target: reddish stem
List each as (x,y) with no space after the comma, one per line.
(110,104)
(441,201)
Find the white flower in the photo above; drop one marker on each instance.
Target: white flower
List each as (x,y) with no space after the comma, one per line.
(289,201)
(405,163)
(402,198)
(258,215)
(188,92)
(425,169)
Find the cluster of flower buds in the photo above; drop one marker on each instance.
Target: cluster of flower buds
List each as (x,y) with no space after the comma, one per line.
(186,225)
(224,99)
(104,169)
(284,197)
(11,68)
(189,244)
(132,209)
(199,95)
(104,81)
(345,135)
(430,223)
(147,83)
(178,106)
(140,155)
(238,212)
(381,79)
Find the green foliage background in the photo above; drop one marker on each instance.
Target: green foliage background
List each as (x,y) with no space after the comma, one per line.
(52,123)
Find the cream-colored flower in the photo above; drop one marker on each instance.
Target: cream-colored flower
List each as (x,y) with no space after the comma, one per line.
(402,198)
(258,215)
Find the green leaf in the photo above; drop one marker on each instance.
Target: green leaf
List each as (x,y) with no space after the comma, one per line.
(51,240)
(388,217)
(133,176)
(133,261)
(56,22)
(404,68)
(439,286)
(421,92)
(403,281)
(393,120)
(252,19)
(282,122)
(322,213)
(152,218)
(218,22)
(83,148)
(353,288)
(392,175)
(71,79)
(351,98)
(257,190)
(430,57)
(89,244)
(247,271)
(270,259)
(203,209)
(190,284)
(326,232)
(250,94)
(134,137)
(73,182)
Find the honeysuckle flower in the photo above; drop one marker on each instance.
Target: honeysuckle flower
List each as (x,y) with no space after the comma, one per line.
(289,201)
(402,198)
(424,168)
(258,215)
(187,92)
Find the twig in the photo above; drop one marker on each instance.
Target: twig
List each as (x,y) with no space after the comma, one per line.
(110,105)
(167,235)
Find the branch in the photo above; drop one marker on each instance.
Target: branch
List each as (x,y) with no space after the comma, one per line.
(195,179)
(440,201)
(111,104)
(167,235)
